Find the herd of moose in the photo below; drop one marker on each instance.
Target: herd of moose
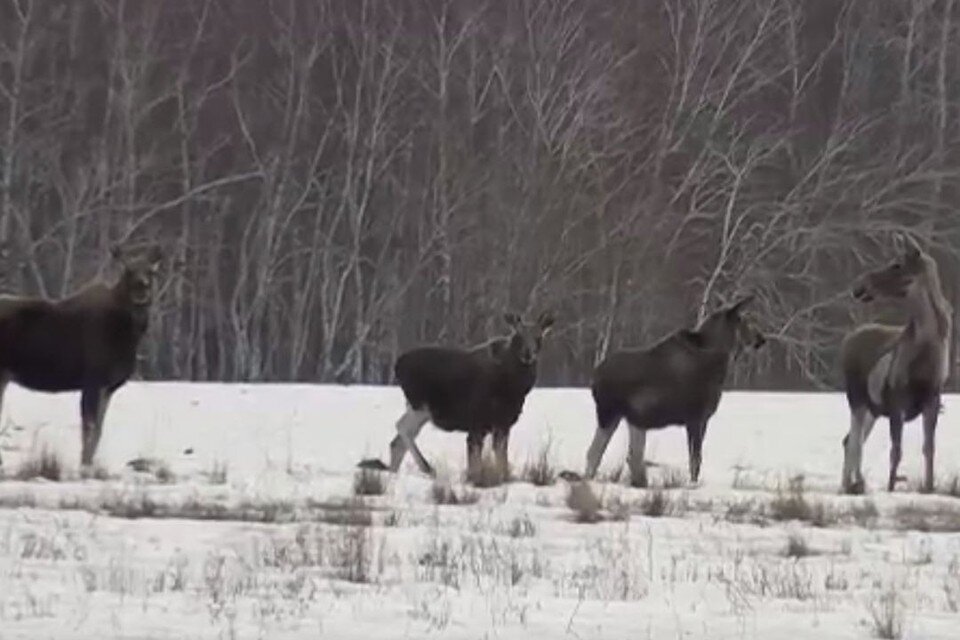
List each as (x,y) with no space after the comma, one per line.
(88,342)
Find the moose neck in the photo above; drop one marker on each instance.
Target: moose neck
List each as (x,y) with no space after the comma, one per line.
(139,310)
(929,310)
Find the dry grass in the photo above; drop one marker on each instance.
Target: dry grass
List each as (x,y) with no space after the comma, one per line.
(951,585)
(864,514)
(797,547)
(791,504)
(886,611)
(42,464)
(618,509)
(672,478)
(351,554)
(218,473)
(951,487)
(96,472)
(656,503)
(521,527)
(443,493)
(927,518)
(613,476)
(540,471)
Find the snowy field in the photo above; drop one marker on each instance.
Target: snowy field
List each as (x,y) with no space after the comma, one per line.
(243,523)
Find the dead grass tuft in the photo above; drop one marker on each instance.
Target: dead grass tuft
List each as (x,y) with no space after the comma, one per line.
(927,519)
(43,464)
(444,494)
(886,611)
(951,585)
(540,471)
(951,487)
(791,504)
(655,504)
(522,527)
(797,547)
(218,473)
(672,478)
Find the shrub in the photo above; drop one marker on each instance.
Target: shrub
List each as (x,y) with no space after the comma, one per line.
(368,482)
(655,504)
(886,615)
(797,547)
(444,494)
(539,471)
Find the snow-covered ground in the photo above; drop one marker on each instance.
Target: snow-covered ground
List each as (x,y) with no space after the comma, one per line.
(512,562)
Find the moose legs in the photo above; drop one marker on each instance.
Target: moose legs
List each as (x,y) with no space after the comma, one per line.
(861,423)
(501,439)
(695,433)
(4,379)
(475,468)
(93,406)
(931,412)
(408,428)
(595,453)
(638,466)
(896,448)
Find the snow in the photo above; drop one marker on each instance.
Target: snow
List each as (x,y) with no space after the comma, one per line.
(513,563)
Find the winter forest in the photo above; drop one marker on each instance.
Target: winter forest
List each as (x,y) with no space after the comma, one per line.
(335,181)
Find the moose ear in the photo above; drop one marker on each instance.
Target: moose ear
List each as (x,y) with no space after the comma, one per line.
(898,242)
(154,258)
(511,319)
(545,321)
(737,306)
(912,248)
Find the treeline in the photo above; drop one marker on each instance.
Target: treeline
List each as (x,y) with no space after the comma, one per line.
(334,181)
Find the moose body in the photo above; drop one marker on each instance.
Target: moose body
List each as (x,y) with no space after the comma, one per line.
(86,342)
(477,391)
(897,372)
(678,381)
(465,390)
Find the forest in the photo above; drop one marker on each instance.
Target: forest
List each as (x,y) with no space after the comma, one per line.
(335,181)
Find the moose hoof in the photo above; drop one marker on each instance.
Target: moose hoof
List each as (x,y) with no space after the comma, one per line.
(570,476)
(374,464)
(855,488)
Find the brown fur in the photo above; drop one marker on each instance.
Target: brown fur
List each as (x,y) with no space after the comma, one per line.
(476,391)
(677,381)
(897,372)
(86,342)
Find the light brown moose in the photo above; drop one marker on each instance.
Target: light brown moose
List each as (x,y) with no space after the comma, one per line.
(897,372)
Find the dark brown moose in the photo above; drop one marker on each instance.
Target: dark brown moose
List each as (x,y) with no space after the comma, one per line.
(677,381)
(86,342)
(897,372)
(478,391)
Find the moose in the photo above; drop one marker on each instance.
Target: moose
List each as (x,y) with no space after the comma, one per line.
(897,372)
(85,342)
(677,381)
(478,391)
